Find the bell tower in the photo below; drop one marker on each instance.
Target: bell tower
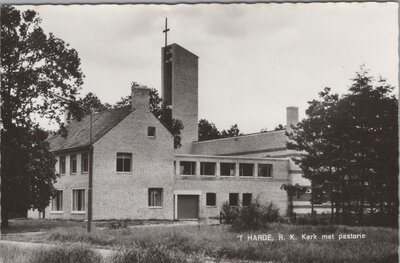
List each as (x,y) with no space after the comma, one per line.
(179,79)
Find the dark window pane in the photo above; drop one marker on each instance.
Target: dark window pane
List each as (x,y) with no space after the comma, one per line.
(124,162)
(227,169)
(155,197)
(85,162)
(233,199)
(211,199)
(265,170)
(151,131)
(207,168)
(127,165)
(246,199)
(246,169)
(188,168)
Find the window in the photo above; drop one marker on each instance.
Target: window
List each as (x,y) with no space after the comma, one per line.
(78,200)
(227,169)
(246,199)
(233,199)
(72,163)
(57,201)
(264,170)
(187,168)
(62,164)
(246,169)
(211,199)
(124,162)
(85,162)
(207,168)
(155,197)
(151,132)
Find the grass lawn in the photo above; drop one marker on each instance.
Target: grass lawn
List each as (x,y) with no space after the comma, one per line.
(218,242)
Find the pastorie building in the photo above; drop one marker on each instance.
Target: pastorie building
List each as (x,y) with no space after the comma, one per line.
(137,173)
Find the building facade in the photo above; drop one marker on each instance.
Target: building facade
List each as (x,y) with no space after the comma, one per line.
(137,173)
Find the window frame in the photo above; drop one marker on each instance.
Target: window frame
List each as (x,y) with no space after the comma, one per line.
(193,169)
(123,166)
(72,201)
(149,129)
(230,166)
(202,166)
(62,165)
(62,203)
(215,199)
(149,200)
(269,168)
(71,164)
(242,168)
(251,199)
(237,200)
(83,162)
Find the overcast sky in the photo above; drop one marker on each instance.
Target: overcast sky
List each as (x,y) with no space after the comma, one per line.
(255,60)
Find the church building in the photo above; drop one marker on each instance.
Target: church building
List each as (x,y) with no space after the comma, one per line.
(137,173)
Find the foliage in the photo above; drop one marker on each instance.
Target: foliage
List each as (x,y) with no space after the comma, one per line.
(33,67)
(279,127)
(74,253)
(152,254)
(233,131)
(256,216)
(229,213)
(350,146)
(293,190)
(218,244)
(208,131)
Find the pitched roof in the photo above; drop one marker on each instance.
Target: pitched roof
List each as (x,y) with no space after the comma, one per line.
(79,131)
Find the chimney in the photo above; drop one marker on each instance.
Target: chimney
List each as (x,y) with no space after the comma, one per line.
(140,97)
(292,117)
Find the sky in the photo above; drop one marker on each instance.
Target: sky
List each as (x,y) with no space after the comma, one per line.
(254,59)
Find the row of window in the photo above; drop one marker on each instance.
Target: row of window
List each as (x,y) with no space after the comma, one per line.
(226,169)
(78,201)
(155,199)
(211,199)
(73,164)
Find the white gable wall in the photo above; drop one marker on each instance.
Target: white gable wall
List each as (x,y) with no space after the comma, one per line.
(125,195)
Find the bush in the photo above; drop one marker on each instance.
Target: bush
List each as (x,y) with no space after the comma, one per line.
(230,213)
(75,253)
(256,216)
(153,254)
(308,219)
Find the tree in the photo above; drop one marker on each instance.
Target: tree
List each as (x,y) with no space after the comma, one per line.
(33,67)
(208,131)
(232,132)
(92,103)
(292,191)
(350,145)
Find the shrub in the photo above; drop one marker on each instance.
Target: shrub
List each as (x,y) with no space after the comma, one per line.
(153,254)
(230,213)
(308,219)
(256,216)
(75,253)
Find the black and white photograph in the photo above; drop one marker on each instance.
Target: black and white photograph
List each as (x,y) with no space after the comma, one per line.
(207,132)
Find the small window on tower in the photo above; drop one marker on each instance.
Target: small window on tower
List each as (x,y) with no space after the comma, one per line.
(151,132)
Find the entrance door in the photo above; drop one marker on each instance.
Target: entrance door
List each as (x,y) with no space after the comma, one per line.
(188,206)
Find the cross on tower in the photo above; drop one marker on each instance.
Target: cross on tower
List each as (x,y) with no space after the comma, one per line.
(165,31)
